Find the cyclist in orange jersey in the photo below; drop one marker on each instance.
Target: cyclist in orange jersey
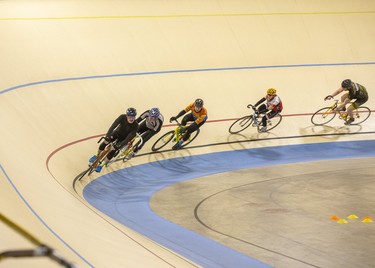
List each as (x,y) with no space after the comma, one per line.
(198,115)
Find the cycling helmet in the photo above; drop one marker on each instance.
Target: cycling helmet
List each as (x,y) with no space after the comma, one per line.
(347,83)
(154,112)
(198,103)
(131,112)
(271,91)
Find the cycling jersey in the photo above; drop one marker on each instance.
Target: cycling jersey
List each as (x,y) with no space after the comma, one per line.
(154,123)
(122,130)
(200,116)
(358,92)
(277,103)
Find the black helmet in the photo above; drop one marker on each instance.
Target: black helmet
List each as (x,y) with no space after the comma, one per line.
(131,111)
(347,83)
(198,103)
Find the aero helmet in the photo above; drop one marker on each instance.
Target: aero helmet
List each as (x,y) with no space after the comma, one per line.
(347,83)
(131,111)
(271,91)
(198,103)
(154,112)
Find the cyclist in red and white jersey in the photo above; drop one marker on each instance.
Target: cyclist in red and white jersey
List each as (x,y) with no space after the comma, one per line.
(272,107)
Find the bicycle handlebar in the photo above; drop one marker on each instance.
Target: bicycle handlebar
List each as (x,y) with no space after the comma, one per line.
(140,138)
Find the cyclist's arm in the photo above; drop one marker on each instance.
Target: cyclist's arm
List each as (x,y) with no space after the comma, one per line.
(128,138)
(142,117)
(159,124)
(181,113)
(114,125)
(335,93)
(260,101)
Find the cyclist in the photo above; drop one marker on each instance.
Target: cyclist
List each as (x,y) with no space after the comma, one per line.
(198,114)
(123,129)
(355,91)
(272,107)
(152,121)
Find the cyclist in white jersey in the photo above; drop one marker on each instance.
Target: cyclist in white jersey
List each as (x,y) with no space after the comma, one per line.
(150,123)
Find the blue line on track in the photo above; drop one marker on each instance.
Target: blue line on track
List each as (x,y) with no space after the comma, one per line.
(187,71)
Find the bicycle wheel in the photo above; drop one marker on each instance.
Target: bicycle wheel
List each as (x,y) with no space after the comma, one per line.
(93,167)
(191,138)
(80,176)
(273,122)
(361,115)
(323,116)
(241,124)
(162,141)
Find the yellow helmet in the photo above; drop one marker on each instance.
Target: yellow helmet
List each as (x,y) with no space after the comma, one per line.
(271,91)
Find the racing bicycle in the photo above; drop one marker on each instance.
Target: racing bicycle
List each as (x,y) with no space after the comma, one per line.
(326,114)
(175,136)
(125,153)
(254,120)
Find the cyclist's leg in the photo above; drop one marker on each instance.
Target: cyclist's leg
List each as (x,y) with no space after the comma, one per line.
(190,129)
(352,107)
(114,136)
(102,147)
(344,98)
(262,109)
(187,118)
(266,117)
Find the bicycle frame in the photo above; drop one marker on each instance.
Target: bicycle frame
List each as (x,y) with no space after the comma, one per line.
(342,114)
(103,154)
(333,108)
(178,131)
(175,136)
(126,150)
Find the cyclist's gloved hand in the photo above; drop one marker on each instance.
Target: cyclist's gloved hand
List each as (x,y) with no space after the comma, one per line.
(107,138)
(329,97)
(173,118)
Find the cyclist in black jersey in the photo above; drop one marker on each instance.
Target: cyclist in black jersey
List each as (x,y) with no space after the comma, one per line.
(123,129)
(354,91)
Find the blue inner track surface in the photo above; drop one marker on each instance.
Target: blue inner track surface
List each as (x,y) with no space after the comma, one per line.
(124,195)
